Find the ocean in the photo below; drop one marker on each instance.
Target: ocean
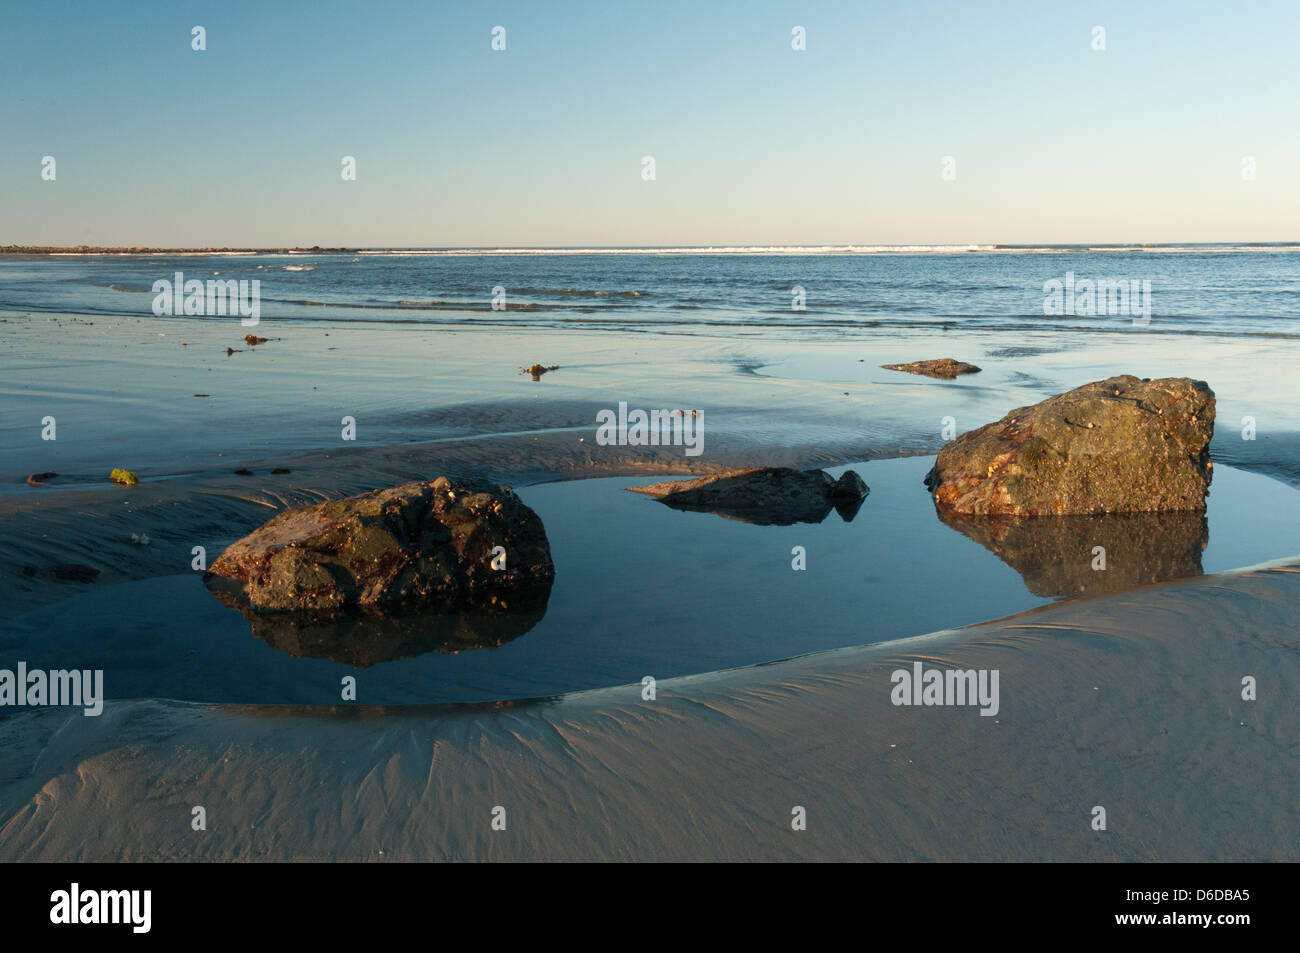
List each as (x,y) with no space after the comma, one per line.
(1251,290)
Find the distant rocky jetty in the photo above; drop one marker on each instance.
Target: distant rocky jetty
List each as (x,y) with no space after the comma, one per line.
(1122,445)
(771,496)
(440,543)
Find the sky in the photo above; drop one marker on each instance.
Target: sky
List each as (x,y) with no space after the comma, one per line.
(542,144)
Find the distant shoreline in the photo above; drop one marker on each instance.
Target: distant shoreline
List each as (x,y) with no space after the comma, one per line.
(138,250)
(721,250)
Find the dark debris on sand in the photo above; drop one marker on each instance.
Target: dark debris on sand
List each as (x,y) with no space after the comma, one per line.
(537,370)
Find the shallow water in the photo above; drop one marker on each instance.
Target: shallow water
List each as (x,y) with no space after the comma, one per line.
(124,391)
(163,396)
(643,589)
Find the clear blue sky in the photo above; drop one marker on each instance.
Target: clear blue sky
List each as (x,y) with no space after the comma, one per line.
(754,143)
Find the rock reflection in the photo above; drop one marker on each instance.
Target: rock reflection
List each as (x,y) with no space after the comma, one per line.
(1056,555)
(365,637)
(808,510)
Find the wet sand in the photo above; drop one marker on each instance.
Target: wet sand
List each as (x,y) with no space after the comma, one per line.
(1131,703)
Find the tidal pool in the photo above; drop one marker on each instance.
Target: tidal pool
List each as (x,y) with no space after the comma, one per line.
(644,589)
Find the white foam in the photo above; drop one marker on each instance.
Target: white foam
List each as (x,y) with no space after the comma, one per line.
(687,250)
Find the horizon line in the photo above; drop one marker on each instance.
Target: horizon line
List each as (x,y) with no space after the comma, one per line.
(715,249)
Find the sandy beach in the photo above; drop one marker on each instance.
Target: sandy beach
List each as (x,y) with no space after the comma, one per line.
(1131,703)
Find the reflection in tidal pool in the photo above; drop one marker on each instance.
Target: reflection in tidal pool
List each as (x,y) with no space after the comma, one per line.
(1067,556)
(643,589)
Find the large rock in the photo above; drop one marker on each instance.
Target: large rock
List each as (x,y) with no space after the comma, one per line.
(1121,445)
(415,544)
(770,496)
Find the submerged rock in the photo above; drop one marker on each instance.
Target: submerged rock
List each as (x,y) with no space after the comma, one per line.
(1121,445)
(944,368)
(768,496)
(39,479)
(418,544)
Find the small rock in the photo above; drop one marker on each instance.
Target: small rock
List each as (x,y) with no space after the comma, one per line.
(944,368)
(767,496)
(243,471)
(537,370)
(36,479)
(124,477)
(849,486)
